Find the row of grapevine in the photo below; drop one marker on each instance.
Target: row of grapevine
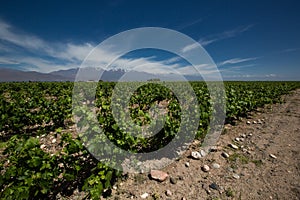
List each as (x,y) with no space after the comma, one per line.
(29,110)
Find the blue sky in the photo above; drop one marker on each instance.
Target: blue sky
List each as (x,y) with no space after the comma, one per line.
(248,40)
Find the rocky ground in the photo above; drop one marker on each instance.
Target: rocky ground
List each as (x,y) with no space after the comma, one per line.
(257,158)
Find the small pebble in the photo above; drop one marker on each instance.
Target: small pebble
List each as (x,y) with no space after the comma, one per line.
(273,156)
(54,140)
(243,135)
(203,153)
(173,180)
(213,149)
(230,169)
(168,193)
(145,195)
(42,146)
(234,146)
(196,155)
(254,122)
(115,187)
(225,155)
(248,122)
(205,168)
(158,175)
(187,164)
(237,139)
(236,176)
(215,165)
(214,186)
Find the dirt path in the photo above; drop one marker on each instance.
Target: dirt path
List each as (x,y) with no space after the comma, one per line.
(250,172)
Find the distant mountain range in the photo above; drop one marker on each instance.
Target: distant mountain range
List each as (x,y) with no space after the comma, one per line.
(86,74)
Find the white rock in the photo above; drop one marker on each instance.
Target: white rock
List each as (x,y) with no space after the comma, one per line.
(187,164)
(168,193)
(273,156)
(42,146)
(215,165)
(242,139)
(203,153)
(115,187)
(230,169)
(54,140)
(158,175)
(145,195)
(237,139)
(254,122)
(243,135)
(196,155)
(205,168)
(234,146)
(236,176)
(213,149)
(225,155)
(248,122)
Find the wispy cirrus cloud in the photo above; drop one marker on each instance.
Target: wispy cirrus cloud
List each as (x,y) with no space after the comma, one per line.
(37,54)
(224,35)
(236,61)
(189,24)
(290,50)
(190,47)
(9,34)
(4,60)
(217,37)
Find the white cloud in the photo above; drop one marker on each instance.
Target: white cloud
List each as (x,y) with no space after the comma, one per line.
(191,23)
(236,60)
(217,37)
(291,50)
(49,56)
(224,35)
(240,67)
(8,61)
(190,47)
(7,33)
(271,75)
(173,60)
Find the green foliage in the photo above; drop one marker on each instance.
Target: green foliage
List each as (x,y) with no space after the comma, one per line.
(31,109)
(30,171)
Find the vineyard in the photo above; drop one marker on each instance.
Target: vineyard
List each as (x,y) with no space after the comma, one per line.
(43,156)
